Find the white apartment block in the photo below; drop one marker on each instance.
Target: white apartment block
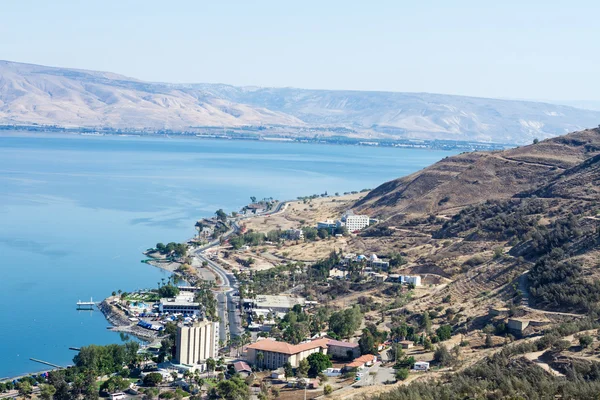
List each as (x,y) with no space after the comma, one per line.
(197,342)
(356,222)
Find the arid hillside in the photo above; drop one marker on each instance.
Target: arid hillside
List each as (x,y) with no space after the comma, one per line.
(471,178)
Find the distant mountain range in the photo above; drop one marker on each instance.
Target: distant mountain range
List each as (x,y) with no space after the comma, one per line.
(34,94)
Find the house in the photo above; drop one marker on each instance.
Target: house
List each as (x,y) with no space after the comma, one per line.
(406,344)
(332,372)
(421,366)
(517,325)
(363,361)
(242,368)
(268,353)
(375,262)
(294,234)
(343,350)
(329,225)
(406,279)
(278,374)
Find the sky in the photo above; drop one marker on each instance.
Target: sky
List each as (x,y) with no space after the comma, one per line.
(527,49)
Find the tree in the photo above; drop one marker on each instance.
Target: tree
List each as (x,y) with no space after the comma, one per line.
(444,332)
(323,233)
(327,390)
(402,374)
(318,362)
(253,199)
(489,342)
(168,291)
(114,383)
(288,370)
(234,388)
(47,391)
(443,356)
(303,367)
(260,358)
(367,343)
(344,323)
(536,141)
(426,322)
(211,364)
(221,215)
(585,341)
(153,379)
(25,389)
(275,392)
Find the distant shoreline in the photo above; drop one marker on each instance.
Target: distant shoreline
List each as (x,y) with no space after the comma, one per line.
(256,135)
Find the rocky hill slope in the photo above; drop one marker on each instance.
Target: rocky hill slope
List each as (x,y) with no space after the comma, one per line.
(472,178)
(517,227)
(33,94)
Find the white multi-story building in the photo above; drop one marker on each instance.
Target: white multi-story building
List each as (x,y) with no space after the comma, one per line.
(182,304)
(197,342)
(356,222)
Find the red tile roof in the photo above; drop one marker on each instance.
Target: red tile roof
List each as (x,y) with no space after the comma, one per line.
(362,360)
(241,366)
(286,348)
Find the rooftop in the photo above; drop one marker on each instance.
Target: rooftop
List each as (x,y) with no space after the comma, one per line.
(241,366)
(267,301)
(339,343)
(286,348)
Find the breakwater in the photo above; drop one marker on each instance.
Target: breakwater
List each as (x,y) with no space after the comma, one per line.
(120,322)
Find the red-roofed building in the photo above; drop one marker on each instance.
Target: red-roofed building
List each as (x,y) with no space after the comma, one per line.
(275,354)
(363,361)
(242,368)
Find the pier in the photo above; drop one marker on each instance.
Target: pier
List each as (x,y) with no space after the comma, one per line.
(46,363)
(86,305)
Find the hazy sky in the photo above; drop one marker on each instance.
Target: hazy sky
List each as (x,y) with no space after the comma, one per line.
(514,49)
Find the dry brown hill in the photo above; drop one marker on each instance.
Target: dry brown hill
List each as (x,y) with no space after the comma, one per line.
(472,178)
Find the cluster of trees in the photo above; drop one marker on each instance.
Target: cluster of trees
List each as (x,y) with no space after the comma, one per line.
(371,338)
(558,234)
(252,238)
(176,250)
(496,219)
(559,283)
(206,297)
(108,359)
(297,324)
(503,377)
(344,323)
(80,381)
(322,268)
(168,290)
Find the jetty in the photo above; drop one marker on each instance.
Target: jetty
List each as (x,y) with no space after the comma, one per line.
(46,363)
(86,305)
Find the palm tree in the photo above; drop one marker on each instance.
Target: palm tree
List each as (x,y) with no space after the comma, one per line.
(260,358)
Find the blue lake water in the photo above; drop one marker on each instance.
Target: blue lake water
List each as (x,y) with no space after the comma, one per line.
(76,212)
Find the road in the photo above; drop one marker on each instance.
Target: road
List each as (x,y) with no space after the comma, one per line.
(230,318)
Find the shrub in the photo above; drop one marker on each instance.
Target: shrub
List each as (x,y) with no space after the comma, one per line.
(402,374)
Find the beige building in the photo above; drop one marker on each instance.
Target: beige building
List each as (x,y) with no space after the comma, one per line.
(275,354)
(197,342)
